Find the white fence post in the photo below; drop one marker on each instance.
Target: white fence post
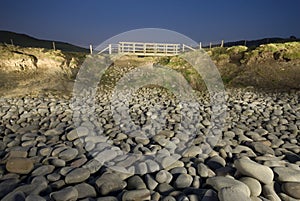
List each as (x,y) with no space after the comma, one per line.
(53,45)
(200,45)
(109,49)
(91,48)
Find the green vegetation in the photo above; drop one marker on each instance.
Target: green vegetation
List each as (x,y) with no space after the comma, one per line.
(273,65)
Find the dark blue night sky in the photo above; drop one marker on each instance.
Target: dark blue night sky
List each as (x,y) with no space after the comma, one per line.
(93,21)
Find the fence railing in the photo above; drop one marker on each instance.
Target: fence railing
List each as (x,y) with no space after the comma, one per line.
(146,49)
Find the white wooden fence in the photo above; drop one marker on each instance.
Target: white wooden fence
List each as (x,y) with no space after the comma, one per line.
(146,49)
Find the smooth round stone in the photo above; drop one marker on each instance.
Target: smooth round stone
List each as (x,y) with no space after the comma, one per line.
(220,182)
(78,132)
(107,198)
(142,140)
(141,194)
(269,192)
(229,134)
(152,166)
(79,162)
(65,170)
(14,196)
(196,182)
(135,182)
(163,176)
(164,189)
(68,193)
(202,170)
(142,168)
(43,170)
(89,146)
(183,181)
(19,165)
(58,184)
(241,148)
(216,162)
(53,177)
(176,164)
(169,198)
(252,169)
(57,162)
(92,165)
(262,148)
(109,182)
(68,154)
(121,136)
(209,195)
(167,133)
(155,196)
(96,139)
(150,182)
(178,170)
(292,189)
(253,185)
(32,197)
(275,163)
(193,197)
(232,193)
(85,190)
(169,161)
(106,155)
(53,132)
(18,153)
(45,151)
(286,174)
(77,175)
(291,157)
(8,185)
(193,151)
(253,198)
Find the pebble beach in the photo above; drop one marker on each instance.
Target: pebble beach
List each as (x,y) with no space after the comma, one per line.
(49,152)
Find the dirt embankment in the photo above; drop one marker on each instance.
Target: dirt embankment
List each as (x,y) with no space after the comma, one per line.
(271,66)
(267,67)
(37,70)
(32,70)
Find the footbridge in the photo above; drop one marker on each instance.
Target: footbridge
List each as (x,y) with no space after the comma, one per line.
(146,49)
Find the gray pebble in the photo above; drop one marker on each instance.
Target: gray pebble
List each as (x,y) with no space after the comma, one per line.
(150,182)
(250,168)
(77,175)
(68,154)
(220,182)
(141,194)
(286,174)
(183,181)
(34,198)
(253,185)
(232,193)
(43,170)
(109,182)
(85,190)
(68,193)
(135,182)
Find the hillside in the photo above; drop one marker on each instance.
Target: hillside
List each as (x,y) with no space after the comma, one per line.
(24,40)
(274,66)
(38,70)
(258,42)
